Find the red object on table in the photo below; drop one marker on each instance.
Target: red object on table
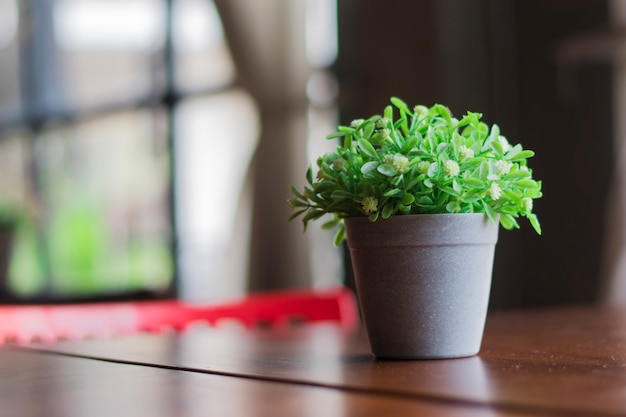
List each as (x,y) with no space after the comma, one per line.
(49,323)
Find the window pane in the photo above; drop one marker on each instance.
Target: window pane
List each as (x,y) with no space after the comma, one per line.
(202,56)
(111,50)
(19,210)
(216,137)
(321,32)
(9,61)
(105,184)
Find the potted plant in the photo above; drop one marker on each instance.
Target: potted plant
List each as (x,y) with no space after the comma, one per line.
(419,195)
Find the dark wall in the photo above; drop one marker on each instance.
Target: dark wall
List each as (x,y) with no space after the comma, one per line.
(498,57)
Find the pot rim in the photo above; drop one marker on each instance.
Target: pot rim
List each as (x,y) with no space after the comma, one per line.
(421,230)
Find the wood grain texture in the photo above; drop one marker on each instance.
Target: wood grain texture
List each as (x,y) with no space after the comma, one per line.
(561,362)
(35,384)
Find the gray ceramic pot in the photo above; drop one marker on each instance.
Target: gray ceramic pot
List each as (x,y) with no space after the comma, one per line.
(423,282)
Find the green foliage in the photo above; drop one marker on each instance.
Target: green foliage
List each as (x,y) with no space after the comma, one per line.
(419,161)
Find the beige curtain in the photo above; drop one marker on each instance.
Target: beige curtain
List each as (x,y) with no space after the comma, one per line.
(609,45)
(266,39)
(613,289)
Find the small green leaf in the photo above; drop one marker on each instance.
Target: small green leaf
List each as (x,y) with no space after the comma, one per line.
(368,130)
(393,192)
(443,112)
(474,182)
(521,156)
(491,214)
(296,192)
(449,190)
(309,175)
(347,142)
(340,236)
(397,180)
(514,151)
(442,200)
(387,170)
(401,105)
(508,222)
(410,143)
(497,147)
(404,125)
(295,202)
(311,195)
(516,199)
(471,197)
(483,171)
(324,186)
(456,186)
(415,181)
(387,211)
(421,192)
(425,200)
(432,170)
(388,113)
(296,214)
(509,210)
(330,224)
(313,215)
(341,194)
(493,137)
(337,135)
(529,184)
(453,207)
(518,174)
(367,148)
(369,167)
(534,221)
(432,138)
(407,199)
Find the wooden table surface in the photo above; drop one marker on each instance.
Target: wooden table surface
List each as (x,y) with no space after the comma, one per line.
(553,362)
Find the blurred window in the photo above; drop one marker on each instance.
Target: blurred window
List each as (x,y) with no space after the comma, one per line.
(96,99)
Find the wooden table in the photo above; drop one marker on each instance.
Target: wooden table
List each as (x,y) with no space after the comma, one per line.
(558,362)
